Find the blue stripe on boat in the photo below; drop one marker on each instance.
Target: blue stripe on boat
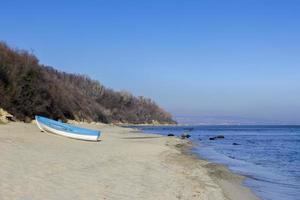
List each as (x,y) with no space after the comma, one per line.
(66,127)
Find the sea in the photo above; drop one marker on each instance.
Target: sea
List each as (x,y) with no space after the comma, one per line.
(268,156)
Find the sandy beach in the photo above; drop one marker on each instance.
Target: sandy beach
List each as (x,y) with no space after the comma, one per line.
(125,164)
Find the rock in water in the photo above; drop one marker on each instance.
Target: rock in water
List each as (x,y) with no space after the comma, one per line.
(184,136)
(217,137)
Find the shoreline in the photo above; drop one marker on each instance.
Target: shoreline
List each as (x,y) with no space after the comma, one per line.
(125,164)
(221,174)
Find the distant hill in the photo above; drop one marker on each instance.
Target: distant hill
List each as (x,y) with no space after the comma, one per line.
(28,88)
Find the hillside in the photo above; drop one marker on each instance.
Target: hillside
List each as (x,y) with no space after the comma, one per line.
(28,88)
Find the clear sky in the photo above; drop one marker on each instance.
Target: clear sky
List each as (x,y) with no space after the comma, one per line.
(223,59)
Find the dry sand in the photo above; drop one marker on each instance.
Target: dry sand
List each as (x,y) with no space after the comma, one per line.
(125,164)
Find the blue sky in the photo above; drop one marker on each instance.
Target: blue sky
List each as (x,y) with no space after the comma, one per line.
(228,59)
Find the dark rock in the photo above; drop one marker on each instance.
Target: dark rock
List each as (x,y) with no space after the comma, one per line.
(27,119)
(170,134)
(217,137)
(199,139)
(184,135)
(11,118)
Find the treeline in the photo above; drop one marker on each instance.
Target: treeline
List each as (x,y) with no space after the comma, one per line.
(28,88)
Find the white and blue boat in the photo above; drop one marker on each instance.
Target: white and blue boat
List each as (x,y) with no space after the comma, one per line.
(67,130)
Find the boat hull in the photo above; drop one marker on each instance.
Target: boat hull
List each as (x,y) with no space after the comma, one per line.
(66,130)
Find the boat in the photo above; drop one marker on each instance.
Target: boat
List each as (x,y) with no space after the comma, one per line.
(67,130)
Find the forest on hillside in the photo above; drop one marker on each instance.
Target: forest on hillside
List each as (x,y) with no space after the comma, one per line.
(28,88)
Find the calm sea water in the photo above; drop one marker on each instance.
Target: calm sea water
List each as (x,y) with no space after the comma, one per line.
(269,156)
